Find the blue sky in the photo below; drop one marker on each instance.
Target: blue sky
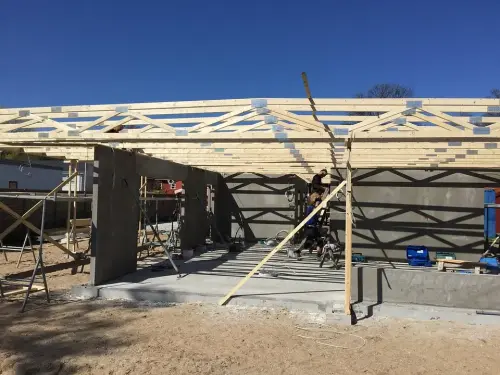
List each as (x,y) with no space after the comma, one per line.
(59,52)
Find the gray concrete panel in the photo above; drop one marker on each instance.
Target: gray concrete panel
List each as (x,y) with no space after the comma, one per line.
(442,210)
(425,288)
(115,215)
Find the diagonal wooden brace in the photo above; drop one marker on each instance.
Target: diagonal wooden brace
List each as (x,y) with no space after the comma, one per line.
(323,204)
(35,229)
(28,213)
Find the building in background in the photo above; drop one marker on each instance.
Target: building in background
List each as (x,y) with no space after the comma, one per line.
(42,175)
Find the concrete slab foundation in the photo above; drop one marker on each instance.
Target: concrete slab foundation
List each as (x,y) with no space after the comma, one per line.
(300,285)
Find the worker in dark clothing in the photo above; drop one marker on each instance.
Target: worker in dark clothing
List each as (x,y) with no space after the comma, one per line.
(317,184)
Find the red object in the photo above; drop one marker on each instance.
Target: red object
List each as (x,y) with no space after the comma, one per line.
(169,187)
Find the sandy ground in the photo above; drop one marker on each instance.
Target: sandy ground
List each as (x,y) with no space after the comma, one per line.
(98,337)
(119,338)
(58,269)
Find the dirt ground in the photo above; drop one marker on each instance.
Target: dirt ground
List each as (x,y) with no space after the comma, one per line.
(120,338)
(57,264)
(98,337)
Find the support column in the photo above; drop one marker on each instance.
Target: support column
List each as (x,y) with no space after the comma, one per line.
(222,210)
(348,241)
(194,227)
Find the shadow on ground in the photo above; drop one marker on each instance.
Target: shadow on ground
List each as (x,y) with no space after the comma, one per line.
(39,340)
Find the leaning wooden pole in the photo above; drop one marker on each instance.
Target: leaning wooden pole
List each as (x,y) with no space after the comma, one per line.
(68,214)
(323,204)
(28,213)
(75,192)
(348,242)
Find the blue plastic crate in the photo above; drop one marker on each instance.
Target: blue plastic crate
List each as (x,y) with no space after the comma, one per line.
(418,256)
(492,264)
(489,214)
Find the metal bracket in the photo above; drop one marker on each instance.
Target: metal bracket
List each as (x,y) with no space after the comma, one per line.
(454,144)
(43,135)
(481,130)
(409,112)
(340,131)
(490,146)
(24,112)
(414,104)
(181,132)
(259,103)
(122,109)
(269,119)
(281,135)
(56,109)
(72,114)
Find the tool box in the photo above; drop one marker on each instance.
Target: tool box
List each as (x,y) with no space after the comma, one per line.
(492,264)
(418,256)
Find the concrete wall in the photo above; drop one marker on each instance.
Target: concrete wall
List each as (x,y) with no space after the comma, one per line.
(258,205)
(378,285)
(442,210)
(115,210)
(194,225)
(115,215)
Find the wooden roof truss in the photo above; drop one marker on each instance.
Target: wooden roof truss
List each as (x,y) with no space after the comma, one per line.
(271,135)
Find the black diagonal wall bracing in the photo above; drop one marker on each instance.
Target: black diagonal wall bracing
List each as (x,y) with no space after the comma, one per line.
(263,205)
(442,210)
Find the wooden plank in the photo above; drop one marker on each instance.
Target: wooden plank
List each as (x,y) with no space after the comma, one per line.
(99,121)
(35,229)
(225,124)
(370,123)
(234,114)
(323,204)
(153,122)
(436,120)
(446,117)
(286,115)
(115,124)
(348,243)
(34,288)
(35,207)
